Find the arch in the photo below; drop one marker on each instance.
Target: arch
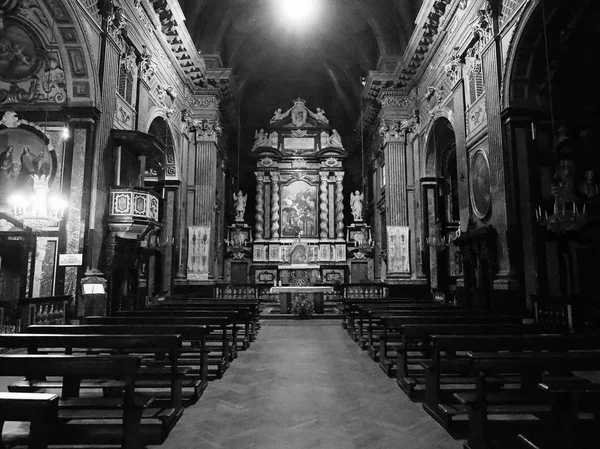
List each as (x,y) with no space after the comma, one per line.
(431,161)
(160,127)
(513,49)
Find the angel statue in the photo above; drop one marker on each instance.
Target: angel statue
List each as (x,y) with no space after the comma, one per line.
(240,205)
(356,205)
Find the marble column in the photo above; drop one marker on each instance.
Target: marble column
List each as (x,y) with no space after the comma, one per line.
(339,206)
(323,205)
(260,204)
(274,205)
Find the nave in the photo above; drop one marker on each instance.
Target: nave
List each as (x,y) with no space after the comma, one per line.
(306,385)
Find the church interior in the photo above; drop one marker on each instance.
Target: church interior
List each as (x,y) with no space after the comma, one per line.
(299,224)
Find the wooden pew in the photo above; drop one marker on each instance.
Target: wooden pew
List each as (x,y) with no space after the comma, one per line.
(87,413)
(565,428)
(374,327)
(253,307)
(350,306)
(39,409)
(238,316)
(528,399)
(364,312)
(196,379)
(456,368)
(217,325)
(146,346)
(419,338)
(395,322)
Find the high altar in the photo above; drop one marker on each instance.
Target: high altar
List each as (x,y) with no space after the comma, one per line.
(300,238)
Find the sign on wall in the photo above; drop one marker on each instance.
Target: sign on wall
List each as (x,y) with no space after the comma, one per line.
(70,260)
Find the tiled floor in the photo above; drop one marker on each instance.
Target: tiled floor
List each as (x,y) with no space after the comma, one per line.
(306,386)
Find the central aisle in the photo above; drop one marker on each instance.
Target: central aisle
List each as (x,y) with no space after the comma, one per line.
(306,385)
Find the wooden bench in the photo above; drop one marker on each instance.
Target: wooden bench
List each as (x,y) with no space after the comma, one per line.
(80,417)
(147,346)
(253,305)
(237,316)
(454,370)
(352,307)
(395,322)
(193,352)
(375,328)
(565,428)
(216,339)
(526,400)
(416,345)
(366,313)
(39,409)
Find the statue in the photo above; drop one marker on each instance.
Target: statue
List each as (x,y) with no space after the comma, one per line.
(278,115)
(261,139)
(240,205)
(319,115)
(356,200)
(274,140)
(324,139)
(335,140)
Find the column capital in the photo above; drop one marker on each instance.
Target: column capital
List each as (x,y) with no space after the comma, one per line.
(324,176)
(260,176)
(274,176)
(339,176)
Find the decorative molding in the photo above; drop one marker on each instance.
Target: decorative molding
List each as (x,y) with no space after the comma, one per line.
(453,68)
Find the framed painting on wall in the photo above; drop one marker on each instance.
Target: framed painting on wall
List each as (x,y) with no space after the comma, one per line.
(299,209)
(481,186)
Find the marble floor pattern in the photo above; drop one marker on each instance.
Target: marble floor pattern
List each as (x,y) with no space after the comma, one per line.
(306,386)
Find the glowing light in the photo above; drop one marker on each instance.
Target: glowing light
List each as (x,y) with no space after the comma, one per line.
(298,10)
(65,132)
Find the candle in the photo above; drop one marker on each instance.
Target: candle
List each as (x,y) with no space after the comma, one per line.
(583,208)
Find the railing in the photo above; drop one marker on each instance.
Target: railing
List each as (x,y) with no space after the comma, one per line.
(365,291)
(46,311)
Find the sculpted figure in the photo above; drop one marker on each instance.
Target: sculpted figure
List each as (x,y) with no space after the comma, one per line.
(335,140)
(356,200)
(240,205)
(278,115)
(261,138)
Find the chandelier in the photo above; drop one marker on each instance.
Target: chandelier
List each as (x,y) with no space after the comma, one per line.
(38,210)
(563,219)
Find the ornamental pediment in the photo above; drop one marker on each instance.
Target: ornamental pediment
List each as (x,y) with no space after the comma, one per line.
(299,116)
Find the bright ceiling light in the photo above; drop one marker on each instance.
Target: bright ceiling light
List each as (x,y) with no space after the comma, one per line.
(298,10)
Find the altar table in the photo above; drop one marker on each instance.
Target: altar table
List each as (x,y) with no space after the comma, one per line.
(314,292)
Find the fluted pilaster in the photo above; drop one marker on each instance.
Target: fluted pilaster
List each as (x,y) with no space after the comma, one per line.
(260,204)
(395,164)
(339,205)
(323,205)
(206,162)
(274,205)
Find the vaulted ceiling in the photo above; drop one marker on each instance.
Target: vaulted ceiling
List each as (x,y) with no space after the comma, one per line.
(276,60)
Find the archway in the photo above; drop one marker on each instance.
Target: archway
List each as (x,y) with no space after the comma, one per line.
(440,209)
(553,144)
